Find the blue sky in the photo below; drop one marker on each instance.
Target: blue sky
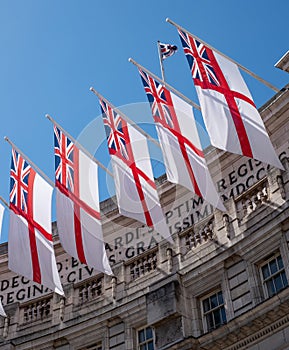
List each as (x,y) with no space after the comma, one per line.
(53,51)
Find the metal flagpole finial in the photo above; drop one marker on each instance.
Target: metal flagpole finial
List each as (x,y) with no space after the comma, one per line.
(48,117)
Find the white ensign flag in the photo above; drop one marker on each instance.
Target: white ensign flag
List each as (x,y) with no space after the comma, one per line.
(231,117)
(77,204)
(177,131)
(30,245)
(136,191)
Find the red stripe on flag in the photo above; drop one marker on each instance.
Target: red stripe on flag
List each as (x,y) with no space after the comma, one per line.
(31,229)
(94,213)
(176,131)
(30,221)
(225,90)
(63,159)
(77,201)
(135,173)
(181,141)
(129,164)
(77,222)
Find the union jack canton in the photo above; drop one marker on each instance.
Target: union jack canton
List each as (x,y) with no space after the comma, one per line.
(201,61)
(114,128)
(167,50)
(158,99)
(64,159)
(19,177)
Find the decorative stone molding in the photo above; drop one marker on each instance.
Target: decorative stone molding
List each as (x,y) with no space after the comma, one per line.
(244,331)
(243,344)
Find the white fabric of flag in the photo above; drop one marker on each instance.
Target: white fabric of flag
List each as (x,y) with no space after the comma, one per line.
(179,139)
(2,312)
(136,191)
(77,204)
(30,245)
(230,115)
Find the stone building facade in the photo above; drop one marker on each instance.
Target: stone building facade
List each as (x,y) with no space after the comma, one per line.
(223,284)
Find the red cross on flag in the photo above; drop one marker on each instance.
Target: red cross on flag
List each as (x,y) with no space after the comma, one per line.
(181,147)
(77,204)
(30,245)
(230,115)
(136,191)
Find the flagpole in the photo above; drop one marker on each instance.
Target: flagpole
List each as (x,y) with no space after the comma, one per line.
(161,61)
(4,202)
(169,87)
(79,145)
(45,177)
(126,118)
(274,88)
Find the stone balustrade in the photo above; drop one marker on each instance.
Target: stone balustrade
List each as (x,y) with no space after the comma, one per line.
(144,264)
(90,290)
(38,310)
(252,199)
(198,234)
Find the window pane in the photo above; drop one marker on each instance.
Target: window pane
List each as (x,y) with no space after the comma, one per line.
(278,282)
(270,288)
(265,271)
(217,316)
(151,345)
(284,279)
(206,305)
(274,276)
(223,313)
(149,333)
(214,311)
(214,301)
(210,321)
(141,336)
(145,339)
(280,262)
(273,266)
(220,298)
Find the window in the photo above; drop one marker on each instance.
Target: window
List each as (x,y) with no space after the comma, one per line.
(214,311)
(273,275)
(146,339)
